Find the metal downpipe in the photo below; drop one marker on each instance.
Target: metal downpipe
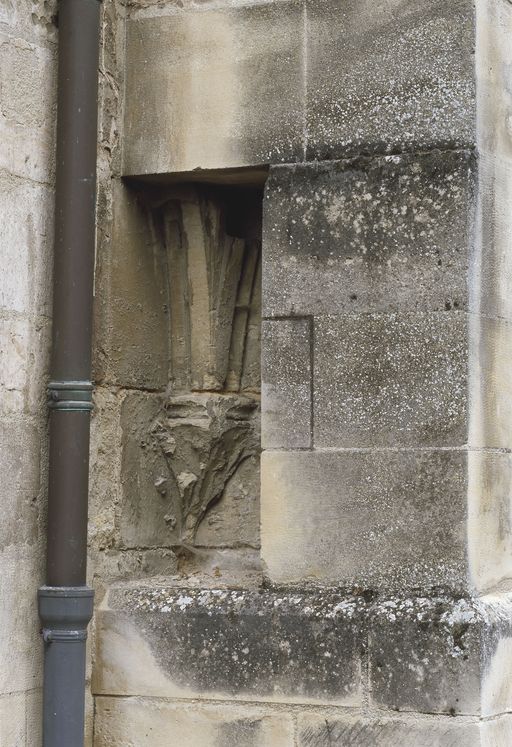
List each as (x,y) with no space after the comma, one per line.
(65,602)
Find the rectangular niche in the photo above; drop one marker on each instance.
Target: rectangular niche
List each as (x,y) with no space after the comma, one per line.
(191,456)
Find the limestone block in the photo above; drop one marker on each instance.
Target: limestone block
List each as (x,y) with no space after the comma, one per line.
(26,239)
(378,234)
(19,480)
(286,384)
(489,511)
(390,380)
(20,642)
(493,59)
(27,82)
(489,383)
(147,723)
(442,655)
(324,731)
(14,363)
(492,278)
(12,719)
(144,507)
(180,456)
(214,88)
(132,334)
(255,645)
(378,519)
(395,76)
(34,723)
(24,359)
(27,94)
(105,466)
(497,732)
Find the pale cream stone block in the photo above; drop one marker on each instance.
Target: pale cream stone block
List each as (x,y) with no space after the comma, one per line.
(21,649)
(214,88)
(12,720)
(27,106)
(26,235)
(143,722)
(373,519)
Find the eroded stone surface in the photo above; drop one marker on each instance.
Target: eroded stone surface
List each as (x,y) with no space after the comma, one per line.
(235,519)
(212,239)
(179,457)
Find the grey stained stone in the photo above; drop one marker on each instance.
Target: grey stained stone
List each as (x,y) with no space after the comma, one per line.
(214,88)
(389,380)
(442,654)
(373,519)
(370,234)
(286,383)
(388,76)
(264,644)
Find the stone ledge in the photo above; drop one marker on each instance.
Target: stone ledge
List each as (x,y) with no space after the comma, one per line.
(442,654)
(238,644)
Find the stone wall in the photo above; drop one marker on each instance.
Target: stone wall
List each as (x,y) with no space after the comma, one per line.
(378,609)
(27,100)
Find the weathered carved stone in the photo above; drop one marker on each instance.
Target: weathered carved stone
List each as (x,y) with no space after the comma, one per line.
(214,273)
(185,452)
(204,439)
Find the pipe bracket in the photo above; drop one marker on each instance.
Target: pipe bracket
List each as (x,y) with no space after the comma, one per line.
(70,395)
(68,636)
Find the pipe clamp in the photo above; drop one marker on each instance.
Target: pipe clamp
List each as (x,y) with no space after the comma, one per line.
(70,395)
